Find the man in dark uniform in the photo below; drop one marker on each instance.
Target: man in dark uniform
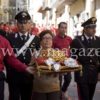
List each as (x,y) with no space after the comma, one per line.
(20,84)
(85,49)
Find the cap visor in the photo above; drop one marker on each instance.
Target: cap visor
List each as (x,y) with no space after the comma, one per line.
(90,26)
(22,21)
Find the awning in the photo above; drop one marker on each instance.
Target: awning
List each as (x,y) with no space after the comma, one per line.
(97,4)
(77,7)
(60,6)
(40,9)
(43,10)
(60,11)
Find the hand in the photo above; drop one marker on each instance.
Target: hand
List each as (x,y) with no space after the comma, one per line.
(30,70)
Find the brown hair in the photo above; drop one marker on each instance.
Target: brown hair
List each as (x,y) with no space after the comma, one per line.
(44,33)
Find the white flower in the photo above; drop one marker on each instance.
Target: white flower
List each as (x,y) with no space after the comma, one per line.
(49,61)
(56,67)
(70,62)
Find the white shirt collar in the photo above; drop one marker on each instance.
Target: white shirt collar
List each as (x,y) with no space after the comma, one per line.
(87,37)
(26,34)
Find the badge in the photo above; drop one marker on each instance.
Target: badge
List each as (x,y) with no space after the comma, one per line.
(93,20)
(24,14)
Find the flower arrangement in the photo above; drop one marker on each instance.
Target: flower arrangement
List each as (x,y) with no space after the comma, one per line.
(55,61)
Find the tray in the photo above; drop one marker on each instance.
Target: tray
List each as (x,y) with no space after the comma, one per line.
(45,69)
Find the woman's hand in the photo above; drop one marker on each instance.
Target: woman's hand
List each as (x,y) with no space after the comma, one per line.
(31,69)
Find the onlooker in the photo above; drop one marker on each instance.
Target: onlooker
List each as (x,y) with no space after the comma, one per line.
(35,30)
(62,42)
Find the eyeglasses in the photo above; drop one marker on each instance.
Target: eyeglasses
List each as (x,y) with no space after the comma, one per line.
(47,38)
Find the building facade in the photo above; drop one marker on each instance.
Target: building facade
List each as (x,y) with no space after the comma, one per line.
(4,10)
(75,12)
(12,10)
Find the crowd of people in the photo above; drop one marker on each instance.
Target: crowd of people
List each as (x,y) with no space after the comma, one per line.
(11,27)
(24,38)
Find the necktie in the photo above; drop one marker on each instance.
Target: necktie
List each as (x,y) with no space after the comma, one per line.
(89,40)
(23,37)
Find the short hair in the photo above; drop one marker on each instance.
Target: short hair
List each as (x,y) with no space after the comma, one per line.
(61,23)
(44,33)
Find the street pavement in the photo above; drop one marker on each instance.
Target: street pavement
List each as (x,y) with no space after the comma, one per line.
(72,90)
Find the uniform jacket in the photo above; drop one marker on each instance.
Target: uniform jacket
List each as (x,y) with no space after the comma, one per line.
(17,42)
(9,58)
(83,55)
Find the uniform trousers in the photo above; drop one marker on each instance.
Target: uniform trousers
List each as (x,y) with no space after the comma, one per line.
(67,80)
(2,78)
(86,91)
(20,91)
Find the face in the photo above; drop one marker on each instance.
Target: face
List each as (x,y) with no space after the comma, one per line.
(63,29)
(47,41)
(90,31)
(24,27)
